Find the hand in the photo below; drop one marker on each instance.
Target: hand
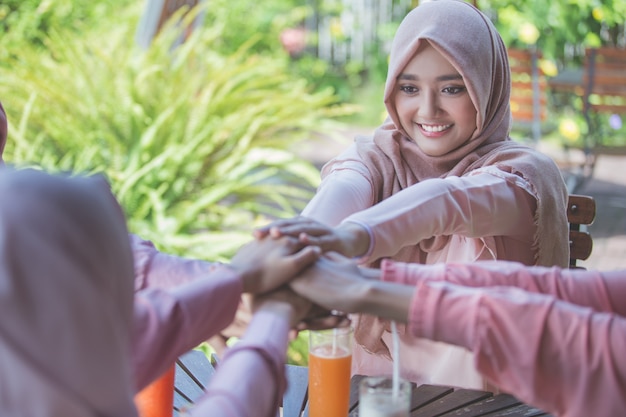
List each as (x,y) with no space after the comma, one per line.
(349,239)
(335,282)
(267,263)
(302,314)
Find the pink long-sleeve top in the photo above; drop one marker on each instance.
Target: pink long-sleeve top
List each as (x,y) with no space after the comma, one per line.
(488,214)
(478,206)
(552,337)
(169,322)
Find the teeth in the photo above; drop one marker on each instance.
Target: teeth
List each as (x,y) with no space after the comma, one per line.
(438,128)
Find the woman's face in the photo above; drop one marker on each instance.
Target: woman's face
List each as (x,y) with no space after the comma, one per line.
(433,104)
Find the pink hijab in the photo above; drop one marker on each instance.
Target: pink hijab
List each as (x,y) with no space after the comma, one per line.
(66,294)
(468,39)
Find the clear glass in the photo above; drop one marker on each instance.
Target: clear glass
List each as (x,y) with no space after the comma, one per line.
(377,399)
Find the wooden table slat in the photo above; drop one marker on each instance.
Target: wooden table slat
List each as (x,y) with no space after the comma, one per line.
(451,402)
(521,410)
(296,395)
(489,405)
(193,370)
(425,394)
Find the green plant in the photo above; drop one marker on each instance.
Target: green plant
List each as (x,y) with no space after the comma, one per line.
(560,29)
(28,21)
(195,143)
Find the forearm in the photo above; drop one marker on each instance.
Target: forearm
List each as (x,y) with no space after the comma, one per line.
(250,379)
(383,299)
(154,269)
(600,291)
(341,193)
(554,355)
(167,323)
(474,206)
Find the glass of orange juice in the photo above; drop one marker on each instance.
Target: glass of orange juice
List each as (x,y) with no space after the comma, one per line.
(157,399)
(330,361)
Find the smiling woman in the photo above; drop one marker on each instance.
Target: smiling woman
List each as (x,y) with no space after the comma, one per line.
(435,108)
(440,181)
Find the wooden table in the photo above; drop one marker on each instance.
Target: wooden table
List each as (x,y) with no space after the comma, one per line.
(194,369)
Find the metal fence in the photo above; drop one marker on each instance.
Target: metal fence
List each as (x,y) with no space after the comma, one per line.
(354,30)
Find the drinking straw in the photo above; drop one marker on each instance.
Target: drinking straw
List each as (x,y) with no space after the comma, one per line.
(396,360)
(335,335)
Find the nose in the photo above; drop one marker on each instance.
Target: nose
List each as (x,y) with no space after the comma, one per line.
(429,103)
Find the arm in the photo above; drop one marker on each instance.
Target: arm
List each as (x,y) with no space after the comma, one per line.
(250,379)
(601,291)
(156,269)
(167,323)
(556,355)
(337,283)
(345,190)
(472,206)
(560,357)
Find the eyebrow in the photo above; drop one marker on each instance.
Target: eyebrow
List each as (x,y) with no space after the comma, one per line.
(449,77)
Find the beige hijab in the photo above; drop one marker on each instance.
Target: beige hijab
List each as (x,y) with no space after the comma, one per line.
(468,39)
(66,294)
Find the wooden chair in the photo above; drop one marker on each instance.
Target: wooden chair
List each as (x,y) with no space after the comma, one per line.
(581,211)
(528,91)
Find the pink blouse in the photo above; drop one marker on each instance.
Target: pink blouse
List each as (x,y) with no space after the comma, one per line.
(478,206)
(169,322)
(475,210)
(552,337)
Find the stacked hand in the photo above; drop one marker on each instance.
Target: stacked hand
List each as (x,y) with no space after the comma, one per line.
(349,239)
(266,265)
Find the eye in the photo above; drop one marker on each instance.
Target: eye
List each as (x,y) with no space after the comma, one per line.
(409,89)
(454,90)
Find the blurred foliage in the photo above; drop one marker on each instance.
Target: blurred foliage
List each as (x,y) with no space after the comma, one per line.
(29,21)
(193,140)
(560,29)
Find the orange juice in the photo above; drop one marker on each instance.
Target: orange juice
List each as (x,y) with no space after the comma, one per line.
(157,399)
(329,381)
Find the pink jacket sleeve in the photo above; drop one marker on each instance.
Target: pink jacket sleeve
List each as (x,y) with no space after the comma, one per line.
(250,380)
(557,346)
(472,206)
(155,269)
(476,205)
(168,323)
(600,291)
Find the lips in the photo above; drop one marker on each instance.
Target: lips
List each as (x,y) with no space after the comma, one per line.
(434,128)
